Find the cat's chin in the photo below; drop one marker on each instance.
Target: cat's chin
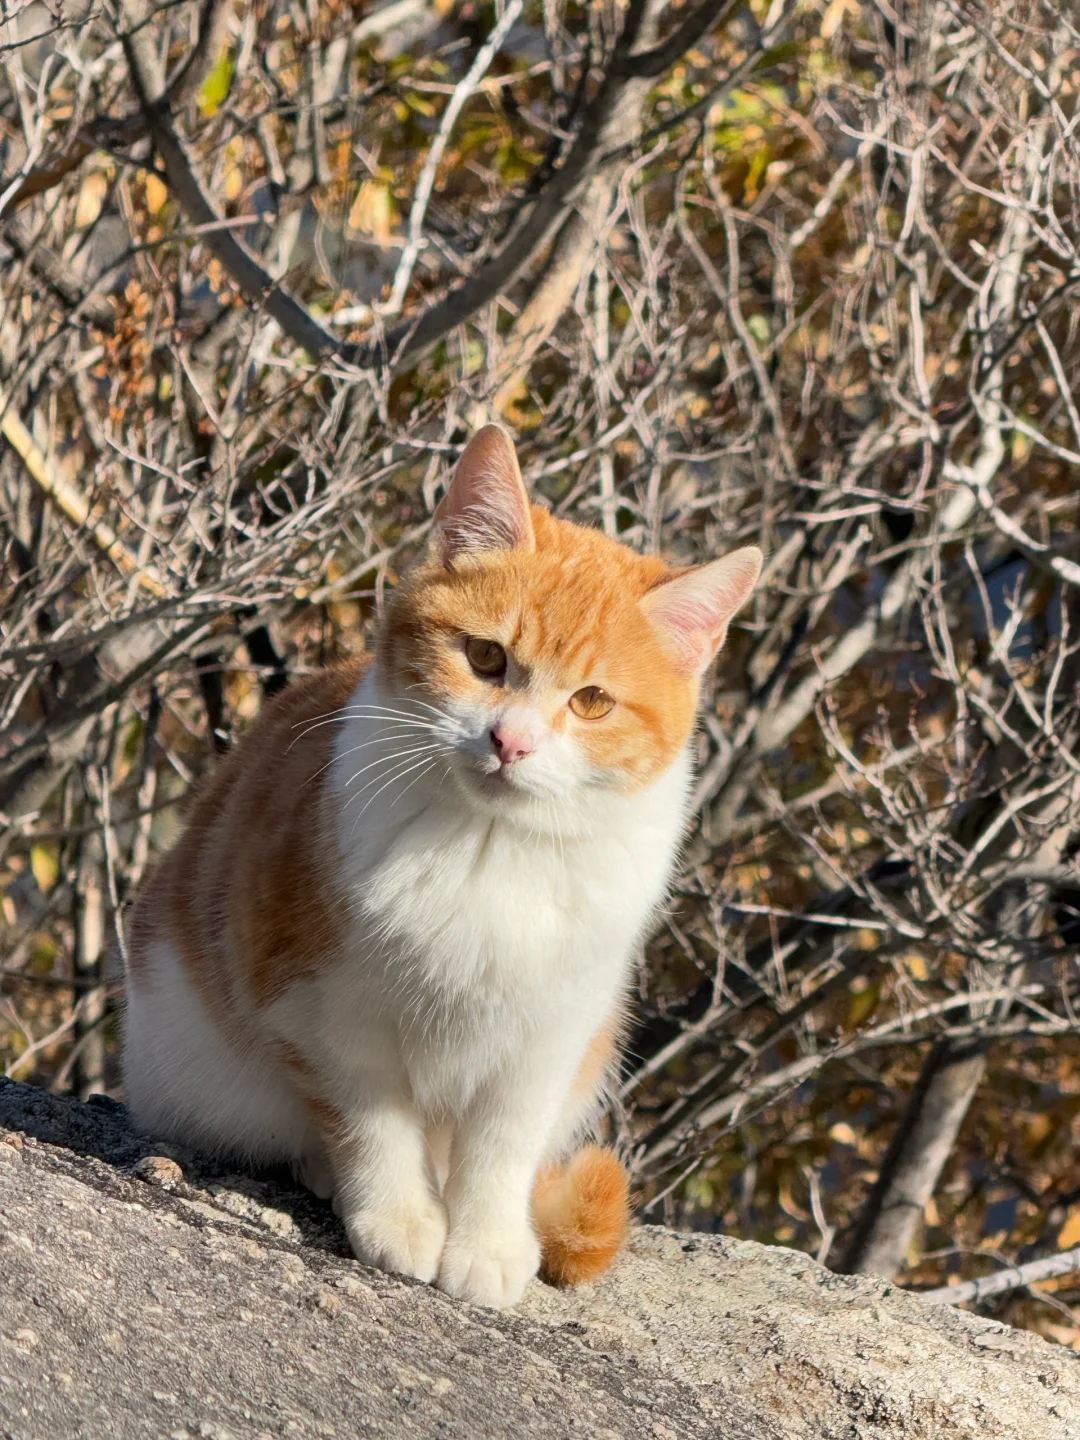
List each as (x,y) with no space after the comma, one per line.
(495,789)
(503,792)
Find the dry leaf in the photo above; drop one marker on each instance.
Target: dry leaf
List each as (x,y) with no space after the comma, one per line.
(45,863)
(834,16)
(91,198)
(916,966)
(373,211)
(156,194)
(1069,1234)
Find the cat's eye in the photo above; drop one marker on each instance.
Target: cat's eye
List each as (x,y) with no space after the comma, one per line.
(591,703)
(487,657)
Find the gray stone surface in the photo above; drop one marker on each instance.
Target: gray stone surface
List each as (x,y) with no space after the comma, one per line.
(142,1294)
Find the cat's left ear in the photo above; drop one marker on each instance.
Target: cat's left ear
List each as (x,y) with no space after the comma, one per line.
(693,609)
(487,506)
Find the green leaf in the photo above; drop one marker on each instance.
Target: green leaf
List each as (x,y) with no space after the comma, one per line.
(215,88)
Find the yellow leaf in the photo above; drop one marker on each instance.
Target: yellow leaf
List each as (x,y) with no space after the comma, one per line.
(758,165)
(699,1189)
(1069,1235)
(1038,1128)
(156,194)
(43,952)
(215,88)
(843,1133)
(916,966)
(373,211)
(91,198)
(862,1003)
(1021,447)
(45,863)
(834,16)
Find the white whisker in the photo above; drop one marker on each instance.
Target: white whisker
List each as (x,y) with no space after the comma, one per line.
(424,705)
(416,722)
(412,783)
(390,760)
(393,739)
(395,763)
(373,709)
(398,775)
(364,707)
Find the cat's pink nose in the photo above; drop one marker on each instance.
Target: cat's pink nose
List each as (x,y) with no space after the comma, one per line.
(510,743)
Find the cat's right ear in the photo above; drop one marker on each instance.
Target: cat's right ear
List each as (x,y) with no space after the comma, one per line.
(487,506)
(693,608)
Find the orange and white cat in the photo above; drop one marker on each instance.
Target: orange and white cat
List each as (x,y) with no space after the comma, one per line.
(393,943)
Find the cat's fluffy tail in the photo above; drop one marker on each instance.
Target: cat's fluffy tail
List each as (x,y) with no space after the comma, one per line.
(581,1210)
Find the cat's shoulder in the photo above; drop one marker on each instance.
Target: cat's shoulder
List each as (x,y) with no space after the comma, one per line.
(316,695)
(291,740)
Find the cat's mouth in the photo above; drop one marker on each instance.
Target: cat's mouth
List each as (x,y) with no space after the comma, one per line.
(500,785)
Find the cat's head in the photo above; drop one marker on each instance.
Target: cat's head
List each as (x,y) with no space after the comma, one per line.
(560,661)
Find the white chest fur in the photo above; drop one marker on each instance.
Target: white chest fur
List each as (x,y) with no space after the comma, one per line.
(472,934)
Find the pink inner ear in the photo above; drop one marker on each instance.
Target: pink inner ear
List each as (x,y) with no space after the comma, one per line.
(693,610)
(486,507)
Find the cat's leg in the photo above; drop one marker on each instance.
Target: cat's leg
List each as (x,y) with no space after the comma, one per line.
(314,1171)
(382,1185)
(440,1140)
(189,1078)
(492,1251)
(584,1099)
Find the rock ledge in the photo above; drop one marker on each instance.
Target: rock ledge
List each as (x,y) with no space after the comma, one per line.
(142,1294)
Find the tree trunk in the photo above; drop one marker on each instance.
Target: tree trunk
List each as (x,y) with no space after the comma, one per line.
(915,1159)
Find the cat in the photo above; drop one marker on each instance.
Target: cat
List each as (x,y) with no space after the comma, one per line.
(393,943)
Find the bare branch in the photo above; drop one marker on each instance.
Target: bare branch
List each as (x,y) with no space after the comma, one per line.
(257,284)
(1014,1277)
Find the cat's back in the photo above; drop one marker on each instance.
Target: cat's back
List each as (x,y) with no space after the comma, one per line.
(251,865)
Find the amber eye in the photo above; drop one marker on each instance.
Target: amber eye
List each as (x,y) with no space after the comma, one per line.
(591,703)
(487,657)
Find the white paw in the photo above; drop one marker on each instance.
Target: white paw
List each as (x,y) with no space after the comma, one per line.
(405,1241)
(491,1268)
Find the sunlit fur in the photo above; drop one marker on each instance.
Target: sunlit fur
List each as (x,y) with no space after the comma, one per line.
(582,1210)
(569,615)
(385,955)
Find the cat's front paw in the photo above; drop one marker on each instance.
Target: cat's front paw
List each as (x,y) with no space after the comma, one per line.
(491,1268)
(407,1240)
